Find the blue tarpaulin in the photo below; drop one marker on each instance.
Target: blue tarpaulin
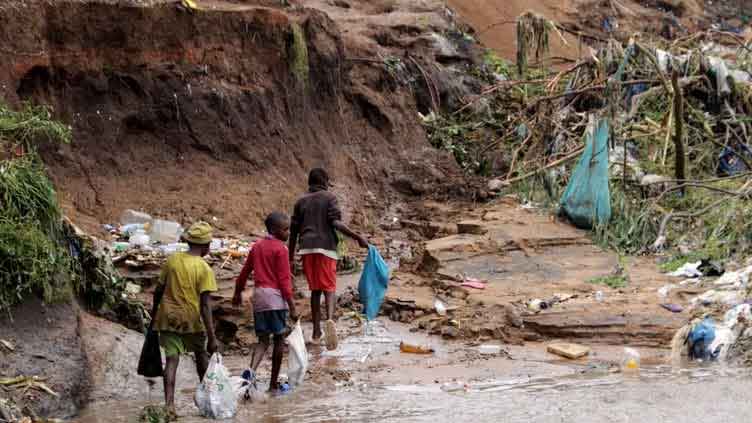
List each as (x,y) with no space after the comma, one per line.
(587,200)
(373,283)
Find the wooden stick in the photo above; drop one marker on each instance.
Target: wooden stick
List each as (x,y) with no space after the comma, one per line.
(564,159)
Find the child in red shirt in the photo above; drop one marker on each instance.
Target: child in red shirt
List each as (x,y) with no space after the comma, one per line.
(272,296)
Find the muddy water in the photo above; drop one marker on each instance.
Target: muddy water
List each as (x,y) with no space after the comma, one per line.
(386,385)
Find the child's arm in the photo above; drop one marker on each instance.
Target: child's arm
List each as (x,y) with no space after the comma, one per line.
(242,279)
(294,232)
(334,214)
(344,230)
(285,284)
(206,316)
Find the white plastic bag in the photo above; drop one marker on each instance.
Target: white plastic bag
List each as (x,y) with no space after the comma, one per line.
(247,391)
(215,396)
(297,359)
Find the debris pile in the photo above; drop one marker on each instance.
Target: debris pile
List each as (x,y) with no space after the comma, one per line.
(678,135)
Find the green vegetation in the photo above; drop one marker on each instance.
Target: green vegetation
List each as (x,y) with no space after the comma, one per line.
(33,254)
(298,52)
(612,281)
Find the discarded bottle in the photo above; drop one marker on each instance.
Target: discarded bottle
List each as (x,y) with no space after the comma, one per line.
(599,296)
(165,231)
(139,239)
(631,362)
(415,349)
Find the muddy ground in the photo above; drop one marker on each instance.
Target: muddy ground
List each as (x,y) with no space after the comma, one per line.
(214,114)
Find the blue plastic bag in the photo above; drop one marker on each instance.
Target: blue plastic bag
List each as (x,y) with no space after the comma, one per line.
(373,283)
(700,337)
(587,200)
(731,162)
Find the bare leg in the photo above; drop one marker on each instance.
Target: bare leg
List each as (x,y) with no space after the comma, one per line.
(170,371)
(331,303)
(202,363)
(259,350)
(276,362)
(316,313)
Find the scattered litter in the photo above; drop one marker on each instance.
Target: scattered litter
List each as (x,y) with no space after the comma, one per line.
(297,358)
(631,361)
(489,349)
(537,304)
(674,308)
(7,345)
(664,290)
(734,280)
(599,297)
(568,350)
(373,283)
(728,298)
(415,349)
(132,288)
(215,397)
(139,239)
(700,338)
(165,231)
(689,270)
(474,283)
(440,306)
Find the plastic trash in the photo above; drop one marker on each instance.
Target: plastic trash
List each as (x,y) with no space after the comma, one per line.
(631,361)
(150,360)
(587,200)
(674,308)
(246,387)
(119,247)
(297,358)
(139,239)
(215,396)
(132,216)
(599,297)
(489,349)
(165,231)
(730,161)
(128,230)
(373,283)
(174,248)
(216,244)
(537,304)
(689,270)
(474,283)
(700,338)
(415,349)
(440,307)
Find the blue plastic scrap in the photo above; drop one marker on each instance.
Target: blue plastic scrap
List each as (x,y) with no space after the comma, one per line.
(373,283)
(731,162)
(587,199)
(700,338)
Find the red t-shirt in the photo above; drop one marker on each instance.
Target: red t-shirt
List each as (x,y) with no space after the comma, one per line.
(269,261)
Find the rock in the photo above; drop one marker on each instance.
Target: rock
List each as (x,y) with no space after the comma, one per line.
(474,227)
(567,350)
(450,248)
(496,185)
(494,215)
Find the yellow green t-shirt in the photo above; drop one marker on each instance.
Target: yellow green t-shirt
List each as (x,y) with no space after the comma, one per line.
(186,277)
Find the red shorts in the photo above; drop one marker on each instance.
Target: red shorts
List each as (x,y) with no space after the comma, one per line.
(321,272)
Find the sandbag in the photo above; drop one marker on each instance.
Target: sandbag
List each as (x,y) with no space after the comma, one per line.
(215,396)
(150,361)
(373,283)
(297,357)
(587,201)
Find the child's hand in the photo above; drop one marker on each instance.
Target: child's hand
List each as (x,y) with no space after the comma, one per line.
(237,300)
(294,316)
(362,242)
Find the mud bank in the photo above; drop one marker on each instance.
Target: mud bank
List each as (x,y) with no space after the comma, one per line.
(190,114)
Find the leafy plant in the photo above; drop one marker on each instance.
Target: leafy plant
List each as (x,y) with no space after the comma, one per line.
(612,281)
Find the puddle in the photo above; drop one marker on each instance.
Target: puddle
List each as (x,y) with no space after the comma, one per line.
(381,385)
